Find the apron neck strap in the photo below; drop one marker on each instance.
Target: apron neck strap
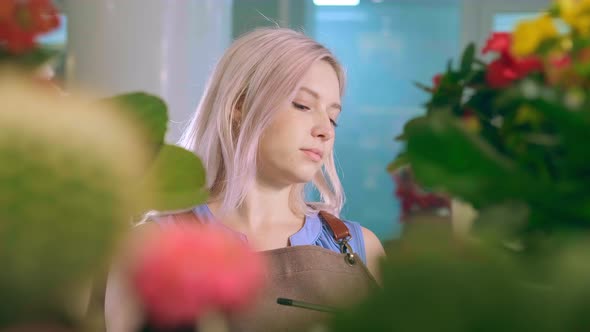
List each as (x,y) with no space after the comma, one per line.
(337,226)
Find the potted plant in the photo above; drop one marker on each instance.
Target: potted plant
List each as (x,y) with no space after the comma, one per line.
(506,135)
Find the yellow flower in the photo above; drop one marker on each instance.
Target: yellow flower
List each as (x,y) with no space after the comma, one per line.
(531,33)
(566,43)
(576,13)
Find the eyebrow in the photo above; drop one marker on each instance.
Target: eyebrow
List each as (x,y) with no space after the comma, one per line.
(317,96)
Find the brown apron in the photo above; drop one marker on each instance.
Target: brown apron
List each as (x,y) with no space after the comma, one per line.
(310,276)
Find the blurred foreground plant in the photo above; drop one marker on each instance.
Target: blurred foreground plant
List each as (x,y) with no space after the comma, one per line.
(185,274)
(509,137)
(75,174)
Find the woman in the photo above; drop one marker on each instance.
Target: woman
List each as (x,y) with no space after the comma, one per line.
(265,128)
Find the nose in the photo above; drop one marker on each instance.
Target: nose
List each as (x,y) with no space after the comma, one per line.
(323,128)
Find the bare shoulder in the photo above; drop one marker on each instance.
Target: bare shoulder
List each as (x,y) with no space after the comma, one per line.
(375,252)
(122,308)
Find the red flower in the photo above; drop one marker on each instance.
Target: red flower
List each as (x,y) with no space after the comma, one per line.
(184,271)
(22,21)
(15,40)
(506,69)
(436,81)
(6,10)
(412,198)
(44,16)
(498,42)
(527,65)
(500,73)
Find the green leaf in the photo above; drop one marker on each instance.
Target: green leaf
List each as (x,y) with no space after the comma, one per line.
(573,129)
(444,156)
(404,135)
(467,58)
(554,10)
(548,45)
(175,181)
(32,59)
(401,137)
(450,66)
(148,111)
(449,93)
(423,87)
(502,222)
(400,161)
(474,77)
(461,285)
(481,63)
(582,69)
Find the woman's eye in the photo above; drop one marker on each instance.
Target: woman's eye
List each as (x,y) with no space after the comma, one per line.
(300,106)
(305,108)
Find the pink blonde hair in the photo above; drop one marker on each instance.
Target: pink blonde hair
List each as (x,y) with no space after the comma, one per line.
(258,72)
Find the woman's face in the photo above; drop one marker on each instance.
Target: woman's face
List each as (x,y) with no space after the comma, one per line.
(300,137)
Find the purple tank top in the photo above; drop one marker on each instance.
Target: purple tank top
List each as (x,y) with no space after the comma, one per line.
(314,232)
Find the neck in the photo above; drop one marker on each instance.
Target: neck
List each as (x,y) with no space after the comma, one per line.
(263,205)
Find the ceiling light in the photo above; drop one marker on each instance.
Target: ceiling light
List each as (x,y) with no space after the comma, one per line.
(336,2)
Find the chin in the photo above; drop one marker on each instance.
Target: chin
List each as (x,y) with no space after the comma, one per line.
(303,176)
(294,172)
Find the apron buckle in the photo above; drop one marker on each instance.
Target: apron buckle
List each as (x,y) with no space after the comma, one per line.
(346,249)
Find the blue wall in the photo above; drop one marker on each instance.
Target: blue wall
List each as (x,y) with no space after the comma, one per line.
(384,47)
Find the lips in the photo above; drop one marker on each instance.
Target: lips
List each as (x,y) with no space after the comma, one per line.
(314,154)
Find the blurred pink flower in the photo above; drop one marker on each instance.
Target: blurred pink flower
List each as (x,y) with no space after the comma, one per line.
(413,198)
(182,272)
